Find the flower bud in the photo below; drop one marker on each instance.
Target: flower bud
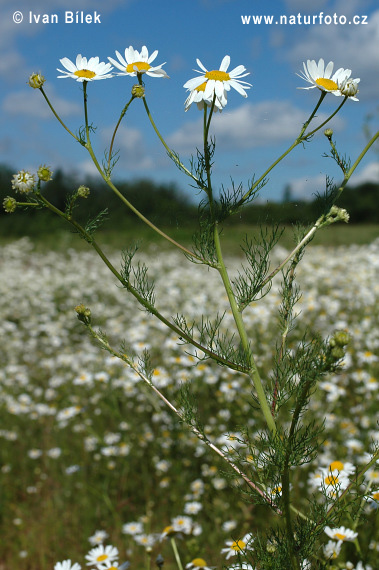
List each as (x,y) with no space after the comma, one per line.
(84,314)
(337,352)
(349,87)
(341,338)
(36,80)
(44,173)
(328,133)
(83,192)
(138,91)
(9,204)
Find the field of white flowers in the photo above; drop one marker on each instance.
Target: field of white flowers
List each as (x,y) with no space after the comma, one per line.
(90,456)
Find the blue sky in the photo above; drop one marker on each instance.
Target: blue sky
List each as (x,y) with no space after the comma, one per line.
(250,133)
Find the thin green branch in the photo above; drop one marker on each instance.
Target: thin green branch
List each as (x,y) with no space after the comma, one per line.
(57,116)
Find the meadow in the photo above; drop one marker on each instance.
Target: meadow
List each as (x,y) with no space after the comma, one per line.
(90,456)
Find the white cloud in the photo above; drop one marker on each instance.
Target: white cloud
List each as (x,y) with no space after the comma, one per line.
(248,126)
(133,153)
(369,173)
(12,64)
(307,187)
(30,102)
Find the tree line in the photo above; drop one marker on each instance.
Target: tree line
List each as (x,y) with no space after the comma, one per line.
(167,205)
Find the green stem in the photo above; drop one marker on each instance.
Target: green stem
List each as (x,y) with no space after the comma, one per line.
(252,368)
(171,154)
(115,130)
(176,554)
(253,371)
(328,119)
(57,116)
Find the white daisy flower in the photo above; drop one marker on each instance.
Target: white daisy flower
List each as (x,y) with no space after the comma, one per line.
(67,565)
(332,550)
(83,70)
(341,534)
(23,181)
(198,96)
(320,76)
(108,566)
(101,554)
(216,82)
(234,547)
(198,563)
(98,537)
(136,62)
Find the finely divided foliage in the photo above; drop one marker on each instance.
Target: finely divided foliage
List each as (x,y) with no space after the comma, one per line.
(218,383)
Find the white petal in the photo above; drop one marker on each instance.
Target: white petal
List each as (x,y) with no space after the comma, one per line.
(153,56)
(117,64)
(122,60)
(328,70)
(225,63)
(201,65)
(194,82)
(238,88)
(237,71)
(67,63)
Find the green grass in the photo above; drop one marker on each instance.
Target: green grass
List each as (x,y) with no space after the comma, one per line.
(232,237)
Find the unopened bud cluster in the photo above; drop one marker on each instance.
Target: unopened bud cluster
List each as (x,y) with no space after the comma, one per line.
(138,91)
(337,344)
(83,192)
(45,173)
(84,314)
(336,215)
(9,204)
(328,133)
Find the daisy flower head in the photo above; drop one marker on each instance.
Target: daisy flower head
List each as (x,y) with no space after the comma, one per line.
(341,534)
(83,70)
(215,83)
(198,563)
(136,63)
(321,77)
(23,182)
(67,565)
(101,554)
(234,547)
(109,565)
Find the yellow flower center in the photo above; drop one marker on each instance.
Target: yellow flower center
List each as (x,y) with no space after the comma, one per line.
(340,536)
(217,75)
(102,557)
(238,545)
(328,84)
(85,73)
(331,480)
(140,65)
(202,86)
(336,465)
(199,562)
